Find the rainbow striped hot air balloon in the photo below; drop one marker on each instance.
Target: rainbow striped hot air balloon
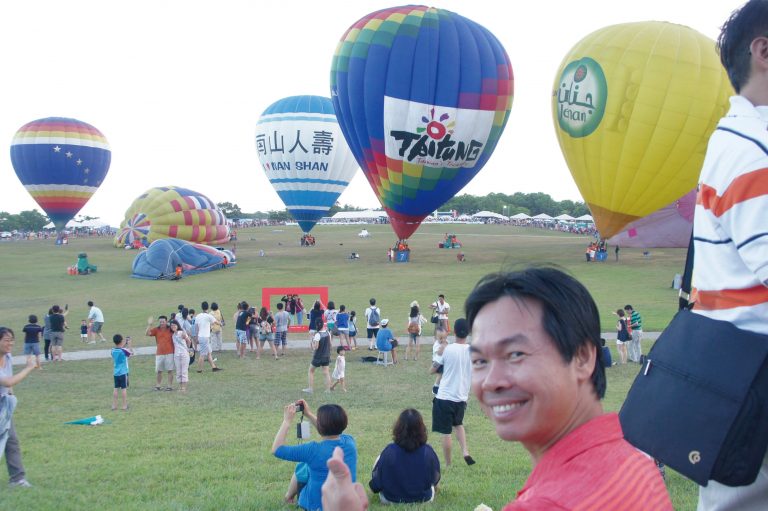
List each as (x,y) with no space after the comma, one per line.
(304,155)
(173,212)
(422,96)
(61,162)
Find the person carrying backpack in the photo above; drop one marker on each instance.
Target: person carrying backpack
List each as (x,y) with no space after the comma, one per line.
(373,319)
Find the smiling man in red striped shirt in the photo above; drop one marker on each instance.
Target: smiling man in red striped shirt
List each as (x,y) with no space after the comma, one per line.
(730,269)
(538,375)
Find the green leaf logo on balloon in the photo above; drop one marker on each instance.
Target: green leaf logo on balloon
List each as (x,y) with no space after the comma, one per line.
(581,97)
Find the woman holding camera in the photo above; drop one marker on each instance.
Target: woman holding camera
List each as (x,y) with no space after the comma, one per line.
(408,469)
(330,422)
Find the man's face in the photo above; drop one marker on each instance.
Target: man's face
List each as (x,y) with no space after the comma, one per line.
(162,322)
(519,377)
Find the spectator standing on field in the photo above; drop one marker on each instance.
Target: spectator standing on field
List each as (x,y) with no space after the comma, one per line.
(282,322)
(217,330)
(441,308)
(120,353)
(58,326)
(32,332)
(203,323)
(449,404)
(373,319)
(96,319)
(164,353)
(636,327)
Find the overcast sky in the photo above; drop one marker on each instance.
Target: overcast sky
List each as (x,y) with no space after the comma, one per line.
(177,86)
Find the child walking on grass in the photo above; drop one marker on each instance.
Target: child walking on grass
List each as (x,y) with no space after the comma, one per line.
(120,354)
(83,331)
(339,369)
(353,329)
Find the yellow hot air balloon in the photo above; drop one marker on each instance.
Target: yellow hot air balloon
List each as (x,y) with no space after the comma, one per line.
(633,106)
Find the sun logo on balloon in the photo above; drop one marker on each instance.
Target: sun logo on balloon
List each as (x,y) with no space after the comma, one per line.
(436,129)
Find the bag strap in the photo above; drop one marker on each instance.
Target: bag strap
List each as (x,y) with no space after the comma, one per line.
(684,301)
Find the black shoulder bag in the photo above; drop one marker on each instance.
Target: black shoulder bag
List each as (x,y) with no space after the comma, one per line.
(700,401)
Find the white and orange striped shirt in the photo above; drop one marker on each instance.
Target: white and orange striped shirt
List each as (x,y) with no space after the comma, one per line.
(730,229)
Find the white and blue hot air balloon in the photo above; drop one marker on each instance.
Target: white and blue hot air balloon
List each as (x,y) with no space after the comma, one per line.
(305,156)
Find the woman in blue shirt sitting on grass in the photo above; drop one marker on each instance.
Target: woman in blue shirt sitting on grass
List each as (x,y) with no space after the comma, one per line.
(330,422)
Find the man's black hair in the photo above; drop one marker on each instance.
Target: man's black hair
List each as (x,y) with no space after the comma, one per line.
(736,36)
(570,315)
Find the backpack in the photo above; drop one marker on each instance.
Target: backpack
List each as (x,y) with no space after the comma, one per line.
(413,328)
(375,317)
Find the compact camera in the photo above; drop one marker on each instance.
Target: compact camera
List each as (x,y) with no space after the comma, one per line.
(300,407)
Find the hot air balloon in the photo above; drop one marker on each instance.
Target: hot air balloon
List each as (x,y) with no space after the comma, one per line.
(304,155)
(172,212)
(422,96)
(670,226)
(162,257)
(633,107)
(61,162)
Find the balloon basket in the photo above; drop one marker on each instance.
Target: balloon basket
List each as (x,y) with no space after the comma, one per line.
(402,256)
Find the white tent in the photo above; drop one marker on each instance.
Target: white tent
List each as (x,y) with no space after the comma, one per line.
(564,217)
(520,216)
(542,216)
(359,215)
(586,218)
(489,214)
(74,224)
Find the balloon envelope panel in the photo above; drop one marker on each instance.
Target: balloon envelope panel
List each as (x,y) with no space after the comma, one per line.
(173,212)
(61,162)
(669,227)
(422,96)
(633,107)
(304,154)
(159,261)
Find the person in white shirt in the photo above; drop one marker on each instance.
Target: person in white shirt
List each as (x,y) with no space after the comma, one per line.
(441,308)
(730,267)
(96,319)
(373,318)
(203,323)
(451,401)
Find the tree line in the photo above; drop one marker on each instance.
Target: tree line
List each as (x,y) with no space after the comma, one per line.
(508,205)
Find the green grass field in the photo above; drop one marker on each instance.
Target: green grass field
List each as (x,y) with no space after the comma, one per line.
(209,449)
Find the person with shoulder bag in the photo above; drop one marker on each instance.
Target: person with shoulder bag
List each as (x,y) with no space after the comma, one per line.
(700,402)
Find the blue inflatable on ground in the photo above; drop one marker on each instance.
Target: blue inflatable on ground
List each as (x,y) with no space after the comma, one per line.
(172,259)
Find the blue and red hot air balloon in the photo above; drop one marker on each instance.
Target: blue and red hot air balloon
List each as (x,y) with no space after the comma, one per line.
(422,96)
(61,162)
